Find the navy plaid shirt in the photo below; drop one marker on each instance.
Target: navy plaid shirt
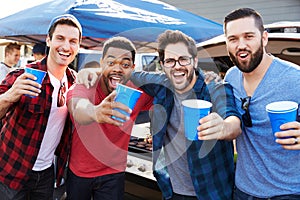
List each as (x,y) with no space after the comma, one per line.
(23,129)
(212,171)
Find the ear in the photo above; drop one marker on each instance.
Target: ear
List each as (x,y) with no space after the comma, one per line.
(101,63)
(265,38)
(133,66)
(196,62)
(162,65)
(48,41)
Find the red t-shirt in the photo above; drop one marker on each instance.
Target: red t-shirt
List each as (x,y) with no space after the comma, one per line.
(100,149)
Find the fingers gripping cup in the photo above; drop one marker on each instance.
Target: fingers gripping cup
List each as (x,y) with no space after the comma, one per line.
(39,74)
(127,96)
(193,111)
(281,112)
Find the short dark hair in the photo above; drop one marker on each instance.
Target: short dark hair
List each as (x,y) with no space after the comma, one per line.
(121,43)
(11,46)
(39,48)
(243,13)
(173,37)
(64,19)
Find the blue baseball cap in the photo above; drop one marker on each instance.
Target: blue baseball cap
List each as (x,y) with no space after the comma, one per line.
(66,16)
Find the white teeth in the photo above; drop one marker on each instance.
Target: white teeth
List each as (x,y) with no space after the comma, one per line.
(243,55)
(114,81)
(178,74)
(64,54)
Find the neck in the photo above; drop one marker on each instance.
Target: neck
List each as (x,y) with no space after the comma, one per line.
(56,70)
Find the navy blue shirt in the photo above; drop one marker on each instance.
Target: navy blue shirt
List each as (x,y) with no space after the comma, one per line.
(210,163)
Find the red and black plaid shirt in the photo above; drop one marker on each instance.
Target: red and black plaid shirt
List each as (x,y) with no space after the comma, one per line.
(23,130)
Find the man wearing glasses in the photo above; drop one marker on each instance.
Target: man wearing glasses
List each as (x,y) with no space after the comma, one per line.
(201,169)
(35,127)
(267,165)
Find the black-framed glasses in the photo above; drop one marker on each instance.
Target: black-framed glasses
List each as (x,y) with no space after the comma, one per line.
(60,97)
(246,117)
(182,61)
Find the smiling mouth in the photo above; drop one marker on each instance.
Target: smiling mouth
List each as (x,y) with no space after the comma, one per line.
(243,55)
(179,74)
(114,81)
(64,54)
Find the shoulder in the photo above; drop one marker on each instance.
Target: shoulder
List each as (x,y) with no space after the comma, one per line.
(232,73)
(131,84)
(284,63)
(80,91)
(233,70)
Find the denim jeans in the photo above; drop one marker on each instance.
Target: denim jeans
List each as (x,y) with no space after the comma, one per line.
(39,186)
(107,187)
(182,197)
(239,195)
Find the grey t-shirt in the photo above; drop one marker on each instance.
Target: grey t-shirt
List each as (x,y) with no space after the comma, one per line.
(4,69)
(175,149)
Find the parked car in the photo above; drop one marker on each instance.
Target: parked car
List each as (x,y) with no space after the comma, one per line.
(143,61)
(284,42)
(146,62)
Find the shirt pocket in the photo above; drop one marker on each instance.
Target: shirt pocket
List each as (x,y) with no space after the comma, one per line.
(36,109)
(31,113)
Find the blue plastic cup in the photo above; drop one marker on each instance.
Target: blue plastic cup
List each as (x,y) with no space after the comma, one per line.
(281,112)
(193,111)
(39,74)
(127,96)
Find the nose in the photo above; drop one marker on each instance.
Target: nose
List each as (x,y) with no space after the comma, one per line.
(242,44)
(117,67)
(66,45)
(177,65)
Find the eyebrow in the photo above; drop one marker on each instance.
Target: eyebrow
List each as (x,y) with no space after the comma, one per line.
(244,33)
(126,58)
(110,56)
(65,37)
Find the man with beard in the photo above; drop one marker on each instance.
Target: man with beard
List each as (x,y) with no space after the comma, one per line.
(267,166)
(100,144)
(184,169)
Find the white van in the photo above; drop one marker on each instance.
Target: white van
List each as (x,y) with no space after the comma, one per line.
(85,56)
(143,61)
(146,62)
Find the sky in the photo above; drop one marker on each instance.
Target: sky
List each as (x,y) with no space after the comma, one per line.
(13,6)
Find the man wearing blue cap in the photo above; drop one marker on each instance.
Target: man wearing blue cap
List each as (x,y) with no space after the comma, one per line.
(34,128)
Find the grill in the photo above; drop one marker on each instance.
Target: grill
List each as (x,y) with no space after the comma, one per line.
(139,159)
(140,181)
